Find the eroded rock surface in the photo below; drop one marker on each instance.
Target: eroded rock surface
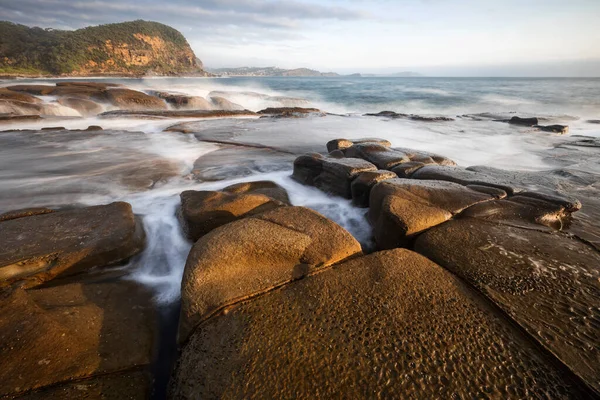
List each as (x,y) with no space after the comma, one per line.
(52,336)
(37,248)
(547,283)
(256,254)
(389,325)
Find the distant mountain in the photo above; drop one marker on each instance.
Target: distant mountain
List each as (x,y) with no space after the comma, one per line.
(129,48)
(396,74)
(269,71)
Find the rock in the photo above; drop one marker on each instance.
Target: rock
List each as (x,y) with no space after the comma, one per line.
(24,212)
(523,121)
(11,95)
(465,177)
(231,162)
(268,188)
(182,101)
(52,336)
(290,112)
(54,128)
(176,114)
(221,103)
(425,157)
(332,175)
(405,170)
(82,106)
(337,154)
(94,128)
(203,211)
(521,211)
(38,90)
(134,100)
(254,255)
(362,185)
(94,85)
(402,208)
(343,144)
(388,114)
(17,118)
(549,284)
(430,119)
(38,248)
(562,129)
(492,191)
(388,325)
(383,157)
(593,121)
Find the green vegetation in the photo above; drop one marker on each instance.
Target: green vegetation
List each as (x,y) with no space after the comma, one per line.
(34,51)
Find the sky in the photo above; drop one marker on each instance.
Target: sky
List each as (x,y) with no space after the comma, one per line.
(433,37)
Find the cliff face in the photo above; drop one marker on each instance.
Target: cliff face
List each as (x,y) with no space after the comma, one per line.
(129,48)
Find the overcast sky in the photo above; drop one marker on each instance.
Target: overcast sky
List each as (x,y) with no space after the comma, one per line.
(440,37)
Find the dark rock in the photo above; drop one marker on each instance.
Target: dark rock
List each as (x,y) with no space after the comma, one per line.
(549,284)
(523,121)
(388,325)
(405,170)
(388,114)
(364,182)
(25,212)
(332,175)
(430,119)
(337,154)
(203,211)
(17,118)
(402,208)
(256,254)
(291,112)
(82,106)
(54,128)
(38,248)
(343,144)
(383,157)
(593,121)
(134,100)
(94,128)
(562,129)
(52,336)
(176,114)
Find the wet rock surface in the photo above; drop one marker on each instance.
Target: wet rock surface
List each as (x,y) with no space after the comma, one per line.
(52,336)
(547,283)
(37,248)
(389,325)
(177,114)
(290,112)
(259,253)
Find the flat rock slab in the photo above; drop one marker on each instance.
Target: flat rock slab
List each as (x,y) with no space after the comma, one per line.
(389,325)
(57,334)
(177,114)
(382,156)
(38,248)
(254,255)
(401,208)
(548,283)
(203,211)
(342,144)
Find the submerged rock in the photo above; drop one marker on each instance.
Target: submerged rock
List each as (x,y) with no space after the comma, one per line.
(548,283)
(388,325)
(290,112)
(256,254)
(50,337)
(203,211)
(562,129)
(38,248)
(524,121)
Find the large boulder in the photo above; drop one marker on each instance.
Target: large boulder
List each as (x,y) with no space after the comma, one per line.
(11,95)
(332,175)
(548,283)
(52,336)
(133,100)
(37,248)
(254,255)
(362,185)
(402,208)
(203,211)
(389,325)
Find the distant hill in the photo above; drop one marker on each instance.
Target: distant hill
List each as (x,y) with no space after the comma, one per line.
(268,71)
(129,48)
(395,74)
